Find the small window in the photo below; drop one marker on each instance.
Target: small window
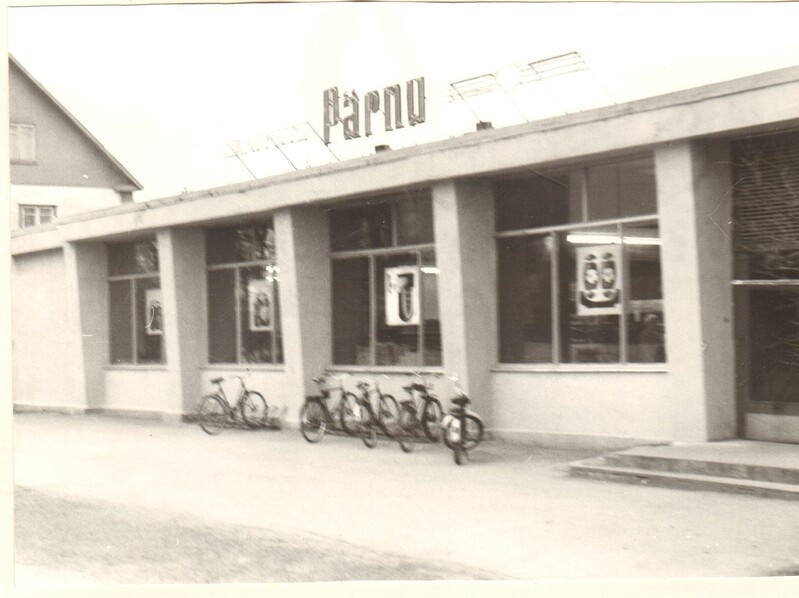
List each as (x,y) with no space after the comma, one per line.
(30,215)
(22,143)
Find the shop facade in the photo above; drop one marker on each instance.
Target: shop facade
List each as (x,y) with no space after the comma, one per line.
(591,279)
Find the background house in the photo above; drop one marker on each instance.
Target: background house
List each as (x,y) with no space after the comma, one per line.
(58,168)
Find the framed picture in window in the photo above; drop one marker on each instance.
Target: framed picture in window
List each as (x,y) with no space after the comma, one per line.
(402,296)
(260,303)
(153,312)
(598,278)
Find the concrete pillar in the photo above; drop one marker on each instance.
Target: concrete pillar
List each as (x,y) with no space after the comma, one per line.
(694,202)
(302,239)
(86,269)
(463,213)
(181,255)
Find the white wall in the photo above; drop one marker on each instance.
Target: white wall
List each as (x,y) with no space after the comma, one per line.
(606,409)
(137,390)
(40,337)
(67,200)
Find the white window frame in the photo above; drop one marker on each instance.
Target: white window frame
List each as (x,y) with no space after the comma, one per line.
(36,211)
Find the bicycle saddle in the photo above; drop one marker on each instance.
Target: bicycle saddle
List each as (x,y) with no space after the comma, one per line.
(461,401)
(216,380)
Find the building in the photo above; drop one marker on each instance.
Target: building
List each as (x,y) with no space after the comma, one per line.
(57,167)
(619,276)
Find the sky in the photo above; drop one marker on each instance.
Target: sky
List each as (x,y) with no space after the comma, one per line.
(167,88)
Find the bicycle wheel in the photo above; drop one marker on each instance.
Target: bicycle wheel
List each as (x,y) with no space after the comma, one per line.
(253,409)
(472,432)
(368,431)
(348,413)
(431,419)
(406,432)
(312,421)
(388,415)
(212,414)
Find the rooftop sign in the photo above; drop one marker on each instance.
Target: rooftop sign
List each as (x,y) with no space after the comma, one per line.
(391,109)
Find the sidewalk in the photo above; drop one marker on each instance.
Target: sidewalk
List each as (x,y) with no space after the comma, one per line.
(512,510)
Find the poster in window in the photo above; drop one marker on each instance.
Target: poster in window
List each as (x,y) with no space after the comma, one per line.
(259,301)
(598,280)
(402,296)
(153,312)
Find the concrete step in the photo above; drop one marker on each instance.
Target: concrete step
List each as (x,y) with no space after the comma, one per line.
(706,467)
(599,468)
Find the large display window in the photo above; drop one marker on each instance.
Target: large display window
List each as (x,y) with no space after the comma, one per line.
(136,322)
(243,300)
(385,283)
(579,277)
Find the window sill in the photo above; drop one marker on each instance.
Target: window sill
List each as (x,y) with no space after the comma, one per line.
(575,368)
(137,367)
(238,367)
(387,369)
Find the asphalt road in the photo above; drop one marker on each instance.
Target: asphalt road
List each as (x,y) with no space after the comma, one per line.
(117,501)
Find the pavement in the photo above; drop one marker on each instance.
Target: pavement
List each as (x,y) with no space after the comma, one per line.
(512,511)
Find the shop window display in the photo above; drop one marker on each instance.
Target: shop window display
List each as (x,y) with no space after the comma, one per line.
(385,283)
(572,292)
(136,325)
(243,300)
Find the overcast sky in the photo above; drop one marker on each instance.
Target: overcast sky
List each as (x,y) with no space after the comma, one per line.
(165,88)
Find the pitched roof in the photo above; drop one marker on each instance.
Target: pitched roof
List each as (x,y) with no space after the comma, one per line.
(136,184)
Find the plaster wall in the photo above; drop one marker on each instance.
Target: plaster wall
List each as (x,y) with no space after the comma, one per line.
(67,200)
(692,181)
(772,428)
(603,409)
(41,339)
(138,390)
(464,223)
(184,292)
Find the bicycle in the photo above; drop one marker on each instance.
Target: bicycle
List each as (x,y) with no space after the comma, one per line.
(214,411)
(316,415)
(367,416)
(385,410)
(462,429)
(411,427)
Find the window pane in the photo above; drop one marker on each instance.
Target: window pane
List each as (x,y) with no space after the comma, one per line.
(140,257)
(430,312)
(773,343)
(350,288)
(536,201)
(46,214)
(364,227)
(28,217)
(120,324)
(221,316)
(525,299)
(620,190)
(242,244)
(258,314)
(397,288)
(149,321)
(589,295)
(414,220)
(645,330)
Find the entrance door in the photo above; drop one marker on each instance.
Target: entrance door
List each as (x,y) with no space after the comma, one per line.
(766,289)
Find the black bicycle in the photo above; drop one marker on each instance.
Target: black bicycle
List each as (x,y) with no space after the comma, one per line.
(420,415)
(316,415)
(384,410)
(462,429)
(215,413)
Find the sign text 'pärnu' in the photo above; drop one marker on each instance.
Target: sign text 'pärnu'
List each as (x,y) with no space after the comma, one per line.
(335,104)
